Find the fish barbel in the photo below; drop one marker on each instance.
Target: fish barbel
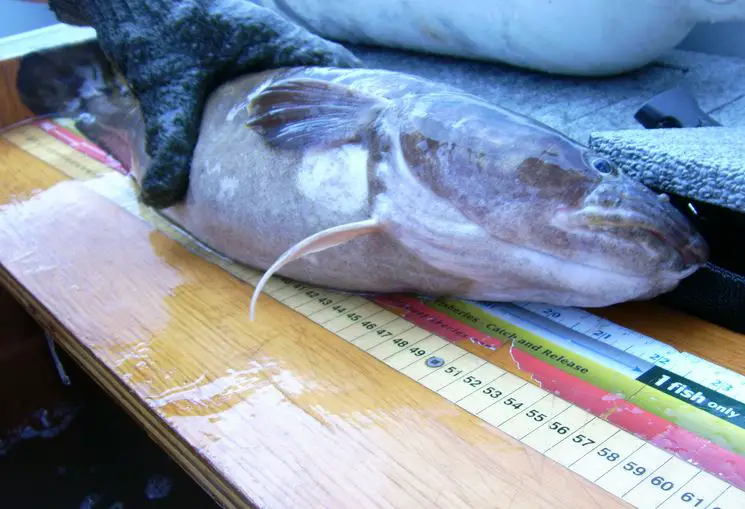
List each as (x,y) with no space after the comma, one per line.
(374,181)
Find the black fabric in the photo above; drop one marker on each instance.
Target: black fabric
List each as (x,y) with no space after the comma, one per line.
(173,53)
(716,292)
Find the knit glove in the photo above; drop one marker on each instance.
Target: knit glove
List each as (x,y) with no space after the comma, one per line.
(173,53)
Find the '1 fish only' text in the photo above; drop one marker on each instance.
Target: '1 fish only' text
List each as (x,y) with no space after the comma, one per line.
(695,394)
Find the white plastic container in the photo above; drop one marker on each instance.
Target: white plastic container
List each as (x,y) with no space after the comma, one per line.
(575,37)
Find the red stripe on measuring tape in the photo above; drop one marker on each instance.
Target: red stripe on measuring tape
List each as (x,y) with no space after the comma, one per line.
(720,462)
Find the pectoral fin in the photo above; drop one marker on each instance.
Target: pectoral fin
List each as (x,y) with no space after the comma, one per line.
(300,112)
(317,242)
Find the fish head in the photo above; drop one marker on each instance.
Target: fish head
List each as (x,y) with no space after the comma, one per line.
(636,230)
(546,201)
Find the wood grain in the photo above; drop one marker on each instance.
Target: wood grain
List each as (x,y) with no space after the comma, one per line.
(29,175)
(274,413)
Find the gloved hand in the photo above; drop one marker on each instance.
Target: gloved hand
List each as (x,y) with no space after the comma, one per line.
(173,53)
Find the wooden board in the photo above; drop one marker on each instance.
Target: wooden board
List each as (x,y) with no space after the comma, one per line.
(275,413)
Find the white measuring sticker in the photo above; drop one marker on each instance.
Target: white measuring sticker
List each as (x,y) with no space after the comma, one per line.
(640,473)
(720,379)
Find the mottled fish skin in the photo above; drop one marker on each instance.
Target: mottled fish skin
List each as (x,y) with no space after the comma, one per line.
(492,205)
(375,181)
(251,202)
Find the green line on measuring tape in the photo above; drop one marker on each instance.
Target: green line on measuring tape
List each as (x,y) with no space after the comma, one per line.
(693,419)
(471,315)
(573,363)
(602,377)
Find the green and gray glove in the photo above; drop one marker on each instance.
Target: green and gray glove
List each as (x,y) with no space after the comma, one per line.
(173,53)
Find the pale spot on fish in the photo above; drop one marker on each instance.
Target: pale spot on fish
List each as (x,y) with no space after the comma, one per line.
(210,169)
(228,187)
(335,178)
(461,122)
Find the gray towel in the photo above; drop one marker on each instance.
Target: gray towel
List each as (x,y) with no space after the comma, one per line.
(580,107)
(704,163)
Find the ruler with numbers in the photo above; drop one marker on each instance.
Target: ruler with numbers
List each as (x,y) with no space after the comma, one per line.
(608,403)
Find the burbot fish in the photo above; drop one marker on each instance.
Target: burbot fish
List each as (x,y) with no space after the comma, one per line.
(373,181)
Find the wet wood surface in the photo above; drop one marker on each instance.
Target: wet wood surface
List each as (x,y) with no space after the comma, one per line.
(277,412)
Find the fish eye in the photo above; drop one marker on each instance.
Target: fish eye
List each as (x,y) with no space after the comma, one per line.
(602,165)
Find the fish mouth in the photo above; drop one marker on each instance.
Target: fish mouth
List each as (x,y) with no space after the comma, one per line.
(691,248)
(694,253)
(688,249)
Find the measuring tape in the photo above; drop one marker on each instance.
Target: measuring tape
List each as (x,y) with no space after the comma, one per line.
(631,384)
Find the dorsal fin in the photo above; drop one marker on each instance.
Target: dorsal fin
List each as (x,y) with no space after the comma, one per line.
(300,112)
(320,241)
